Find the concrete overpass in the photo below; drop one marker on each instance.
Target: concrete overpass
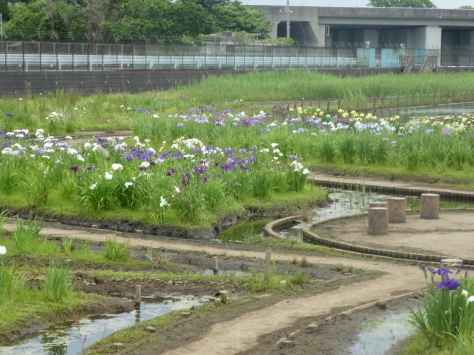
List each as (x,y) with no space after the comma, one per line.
(374,27)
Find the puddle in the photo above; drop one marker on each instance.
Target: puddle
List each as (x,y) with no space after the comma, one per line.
(68,340)
(381,334)
(243,231)
(226,272)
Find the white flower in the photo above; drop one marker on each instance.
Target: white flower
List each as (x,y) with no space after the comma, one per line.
(3,250)
(306,172)
(144,165)
(274,145)
(163,202)
(470,299)
(177,190)
(128,184)
(108,176)
(93,186)
(116,167)
(68,137)
(80,157)
(465,293)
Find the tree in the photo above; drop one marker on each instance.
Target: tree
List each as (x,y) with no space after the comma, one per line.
(5,10)
(466,7)
(424,4)
(232,16)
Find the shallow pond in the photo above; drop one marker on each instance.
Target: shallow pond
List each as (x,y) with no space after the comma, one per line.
(67,339)
(407,113)
(383,333)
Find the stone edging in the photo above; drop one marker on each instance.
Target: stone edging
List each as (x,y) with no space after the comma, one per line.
(347,184)
(279,223)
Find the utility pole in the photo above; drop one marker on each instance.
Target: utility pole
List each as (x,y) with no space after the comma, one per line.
(287,18)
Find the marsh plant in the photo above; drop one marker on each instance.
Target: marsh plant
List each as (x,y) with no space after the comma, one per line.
(447,314)
(56,283)
(25,236)
(115,251)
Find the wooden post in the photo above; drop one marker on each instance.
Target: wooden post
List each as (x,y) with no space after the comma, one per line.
(429,208)
(397,208)
(157,261)
(268,261)
(215,267)
(329,104)
(378,204)
(138,293)
(378,221)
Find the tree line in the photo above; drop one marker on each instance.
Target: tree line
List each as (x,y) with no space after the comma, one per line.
(125,19)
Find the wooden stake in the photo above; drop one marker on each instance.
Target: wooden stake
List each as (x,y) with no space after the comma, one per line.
(268,261)
(138,293)
(216,265)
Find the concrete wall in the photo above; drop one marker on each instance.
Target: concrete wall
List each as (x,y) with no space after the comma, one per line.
(17,84)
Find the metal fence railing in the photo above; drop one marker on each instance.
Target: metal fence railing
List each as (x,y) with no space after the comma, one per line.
(28,55)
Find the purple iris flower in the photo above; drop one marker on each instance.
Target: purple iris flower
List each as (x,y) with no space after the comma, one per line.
(448,284)
(74,168)
(443,272)
(100,140)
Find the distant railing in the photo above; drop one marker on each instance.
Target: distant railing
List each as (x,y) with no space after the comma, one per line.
(28,55)
(377,103)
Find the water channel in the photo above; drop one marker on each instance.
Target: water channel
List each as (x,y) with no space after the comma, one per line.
(67,339)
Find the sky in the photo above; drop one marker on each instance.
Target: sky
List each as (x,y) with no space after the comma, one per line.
(441,4)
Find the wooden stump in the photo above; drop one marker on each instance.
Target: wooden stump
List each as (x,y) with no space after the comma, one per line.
(429,208)
(378,221)
(378,204)
(397,210)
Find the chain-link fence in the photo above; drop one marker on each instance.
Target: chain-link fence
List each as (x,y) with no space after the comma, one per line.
(28,55)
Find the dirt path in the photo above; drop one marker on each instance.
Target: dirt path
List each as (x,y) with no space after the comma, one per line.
(242,333)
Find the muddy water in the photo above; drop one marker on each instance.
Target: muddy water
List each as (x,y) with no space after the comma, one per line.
(67,339)
(381,334)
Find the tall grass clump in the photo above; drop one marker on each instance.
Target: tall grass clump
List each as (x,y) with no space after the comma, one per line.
(447,314)
(25,235)
(56,283)
(115,251)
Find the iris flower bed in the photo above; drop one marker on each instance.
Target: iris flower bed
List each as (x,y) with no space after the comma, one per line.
(193,166)
(446,318)
(185,178)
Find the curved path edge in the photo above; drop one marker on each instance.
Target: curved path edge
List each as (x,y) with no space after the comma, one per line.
(373,185)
